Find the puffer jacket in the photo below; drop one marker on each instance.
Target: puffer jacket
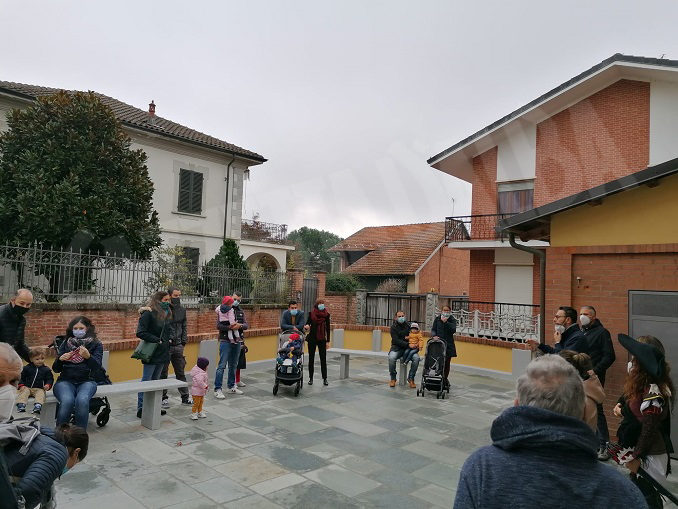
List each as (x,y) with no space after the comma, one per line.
(12,329)
(7,493)
(200,381)
(78,372)
(153,330)
(35,377)
(399,332)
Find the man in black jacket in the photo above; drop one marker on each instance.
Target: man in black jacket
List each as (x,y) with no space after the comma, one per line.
(601,350)
(13,323)
(400,329)
(567,335)
(178,338)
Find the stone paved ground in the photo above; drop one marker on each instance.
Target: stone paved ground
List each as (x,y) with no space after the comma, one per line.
(356,443)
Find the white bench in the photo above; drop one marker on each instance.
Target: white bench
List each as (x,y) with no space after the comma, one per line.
(152,390)
(345,355)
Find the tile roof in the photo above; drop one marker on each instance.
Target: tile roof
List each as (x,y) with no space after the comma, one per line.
(399,249)
(139,119)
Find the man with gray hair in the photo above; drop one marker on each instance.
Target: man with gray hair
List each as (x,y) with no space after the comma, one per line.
(13,323)
(10,373)
(542,454)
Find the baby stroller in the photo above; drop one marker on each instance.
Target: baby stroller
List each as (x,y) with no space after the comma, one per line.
(98,405)
(432,376)
(289,372)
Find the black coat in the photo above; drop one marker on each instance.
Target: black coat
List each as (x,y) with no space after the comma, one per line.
(313,330)
(398,333)
(572,339)
(445,331)
(240,318)
(152,330)
(36,378)
(12,328)
(600,348)
(179,333)
(78,372)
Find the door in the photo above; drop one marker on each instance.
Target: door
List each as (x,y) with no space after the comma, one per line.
(309,295)
(656,314)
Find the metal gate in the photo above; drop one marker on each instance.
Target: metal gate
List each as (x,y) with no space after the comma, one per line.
(382,307)
(309,294)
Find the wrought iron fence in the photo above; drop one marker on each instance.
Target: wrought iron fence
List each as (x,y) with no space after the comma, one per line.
(382,307)
(478,227)
(83,277)
(252,229)
(497,320)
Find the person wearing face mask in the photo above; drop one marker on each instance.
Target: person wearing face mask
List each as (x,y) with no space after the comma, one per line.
(400,329)
(444,327)
(293,318)
(602,355)
(155,327)
(78,360)
(567,334)
(318,337)
(178,339)
(10,374)
(13,322)
(240,327)
(229,348)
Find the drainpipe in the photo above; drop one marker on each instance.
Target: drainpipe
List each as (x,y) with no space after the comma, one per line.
(228,179)
(542,279)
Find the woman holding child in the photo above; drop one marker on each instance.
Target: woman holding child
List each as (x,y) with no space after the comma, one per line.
(78,360)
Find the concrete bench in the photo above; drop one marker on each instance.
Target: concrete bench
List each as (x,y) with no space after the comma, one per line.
(152,390)
(345,355)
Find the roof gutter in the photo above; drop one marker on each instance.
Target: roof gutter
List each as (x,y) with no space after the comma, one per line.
(542,280)
(228,181)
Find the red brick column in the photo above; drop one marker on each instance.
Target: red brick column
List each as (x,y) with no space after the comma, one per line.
(321,276)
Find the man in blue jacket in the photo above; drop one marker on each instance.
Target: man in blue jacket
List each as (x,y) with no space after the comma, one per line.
(293,319)
(567,334)
(545,441)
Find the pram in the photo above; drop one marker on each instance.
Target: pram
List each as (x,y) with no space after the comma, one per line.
(289,372)
(98,406)
(432,376)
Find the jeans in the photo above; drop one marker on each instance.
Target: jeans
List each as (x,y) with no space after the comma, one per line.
(179,364)
(409,353)
(228,353)
(150,372)
(74,398)
(603,432)
(393,357)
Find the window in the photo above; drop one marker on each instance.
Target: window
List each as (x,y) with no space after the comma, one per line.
(190,192)
(192,254)
(515,197)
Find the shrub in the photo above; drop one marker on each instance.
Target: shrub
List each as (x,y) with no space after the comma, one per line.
(342,282)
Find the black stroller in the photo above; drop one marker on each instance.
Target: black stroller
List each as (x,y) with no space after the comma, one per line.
(432,376)
(289,372)
(98,405)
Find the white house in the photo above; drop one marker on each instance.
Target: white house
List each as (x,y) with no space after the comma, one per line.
(198,180)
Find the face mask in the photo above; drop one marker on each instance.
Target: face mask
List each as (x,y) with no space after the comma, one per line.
(7,399)
(79,333)
(560,328)
(236,302)
(629,366)
(19,310)
(224,308)
(165,305)
(445,315)
(176,301)
(584,320)
(321,307)
(66,469)
(401,319)
(294,311)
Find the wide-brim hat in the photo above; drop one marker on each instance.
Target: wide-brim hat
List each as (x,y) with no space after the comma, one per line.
(649,357)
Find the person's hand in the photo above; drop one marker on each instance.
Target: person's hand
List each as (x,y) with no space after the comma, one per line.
(307,327)
(532,344)
(617,410)
(66,357)
(84,352)
(557,336)
(47,387)
(633,465)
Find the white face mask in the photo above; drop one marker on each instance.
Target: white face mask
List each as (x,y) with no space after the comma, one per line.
(7,399)
(584,320)
(629,366)
(560,328)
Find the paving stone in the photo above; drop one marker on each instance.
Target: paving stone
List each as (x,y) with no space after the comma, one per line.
(398,481)
(311,495)
(117,465)
(214,452)
(190,471)
(242,437)
(277,483)
(201,503)
(361,428)
(222,490)
(436,473)
(298,423)
(252,502)
(316,413)
(154,491)
(154,451)
(357,464)
(387,498)
(324,450)
(342,481)
(81,484)
(436,495)
(400,459)
(251,470)
(105,500)
(184,435)
(438,453)
(292,459)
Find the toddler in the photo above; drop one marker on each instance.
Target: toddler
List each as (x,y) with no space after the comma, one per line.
(36,379)
(292,348)
(416,340)
(199,387)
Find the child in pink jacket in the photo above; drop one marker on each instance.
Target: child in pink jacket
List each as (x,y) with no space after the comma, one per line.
(199,388)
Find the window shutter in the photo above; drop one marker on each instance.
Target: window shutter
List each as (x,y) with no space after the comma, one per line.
(190,192)
(196,194)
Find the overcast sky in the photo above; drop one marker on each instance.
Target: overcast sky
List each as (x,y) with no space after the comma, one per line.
(346,99)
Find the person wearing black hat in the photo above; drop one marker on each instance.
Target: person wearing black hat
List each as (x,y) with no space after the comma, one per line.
(567,334)
(645,411)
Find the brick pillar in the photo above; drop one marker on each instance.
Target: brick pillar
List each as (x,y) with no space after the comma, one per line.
(321,276)
(361,307)
(296,283)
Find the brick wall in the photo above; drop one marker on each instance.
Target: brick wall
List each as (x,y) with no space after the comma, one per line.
(607,274)
(446,273)
(601,138)
(484,190)
(342,308)
(481,280)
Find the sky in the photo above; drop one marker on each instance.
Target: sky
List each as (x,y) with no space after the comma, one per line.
(347,99)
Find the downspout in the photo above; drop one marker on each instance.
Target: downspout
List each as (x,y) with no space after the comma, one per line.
(542,279)
(228,180)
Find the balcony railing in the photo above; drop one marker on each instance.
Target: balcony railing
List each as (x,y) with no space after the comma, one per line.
(478,227)
(497,320)
(259,231)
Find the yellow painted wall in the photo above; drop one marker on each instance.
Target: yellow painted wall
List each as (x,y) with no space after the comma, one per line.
(642,215)
(358,339)
(483,356)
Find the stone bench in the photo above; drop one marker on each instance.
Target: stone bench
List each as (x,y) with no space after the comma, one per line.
(152,390)
(345,355)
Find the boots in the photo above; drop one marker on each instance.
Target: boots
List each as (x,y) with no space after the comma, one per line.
(412,384)
(392,383)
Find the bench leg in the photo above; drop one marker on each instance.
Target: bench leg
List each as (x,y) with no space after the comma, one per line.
(343,366)
(150,417)
(48,414)
(402,374)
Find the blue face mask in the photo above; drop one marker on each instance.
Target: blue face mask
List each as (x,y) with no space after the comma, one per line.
(401,319)
(224,308)
(294,311)
(79,333)
(236,302)
(321,307)
(66,469)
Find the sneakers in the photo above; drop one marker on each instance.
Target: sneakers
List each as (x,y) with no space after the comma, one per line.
(165,403)
(235,390)
(392,383)
(219,394)
(603,454)
(186,401)
(20,407)
(202,415)
(194,417)
(241,384)
(36,408)
(412,384)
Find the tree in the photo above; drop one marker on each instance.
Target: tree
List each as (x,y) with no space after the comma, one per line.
(68,178)
(225,273)
(313,247)
(171,267)
(342,282)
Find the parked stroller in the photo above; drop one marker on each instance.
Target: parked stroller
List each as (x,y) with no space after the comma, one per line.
(98,405)
(291,370)
(432,376)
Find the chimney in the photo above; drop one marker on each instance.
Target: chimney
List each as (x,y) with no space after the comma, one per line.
(151,109)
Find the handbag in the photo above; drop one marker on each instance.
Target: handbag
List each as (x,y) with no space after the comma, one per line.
(144,351)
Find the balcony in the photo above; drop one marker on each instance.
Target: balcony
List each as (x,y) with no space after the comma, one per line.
(259,231)
(474,228)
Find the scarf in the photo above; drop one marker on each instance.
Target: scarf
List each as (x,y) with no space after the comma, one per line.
(74,344)
(319,319)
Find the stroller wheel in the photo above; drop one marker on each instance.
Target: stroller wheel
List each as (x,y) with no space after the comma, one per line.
(102,418)
(297,389)
(275,388)
(438,395)
(442,396)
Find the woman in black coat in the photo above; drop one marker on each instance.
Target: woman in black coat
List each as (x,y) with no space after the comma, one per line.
(155,327)
(318,337)
(444,327)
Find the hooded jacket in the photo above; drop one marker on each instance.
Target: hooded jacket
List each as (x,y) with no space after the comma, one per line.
(399,332)
(600,348)
(555,456)
(595,395)
(199,380)
(12,328)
